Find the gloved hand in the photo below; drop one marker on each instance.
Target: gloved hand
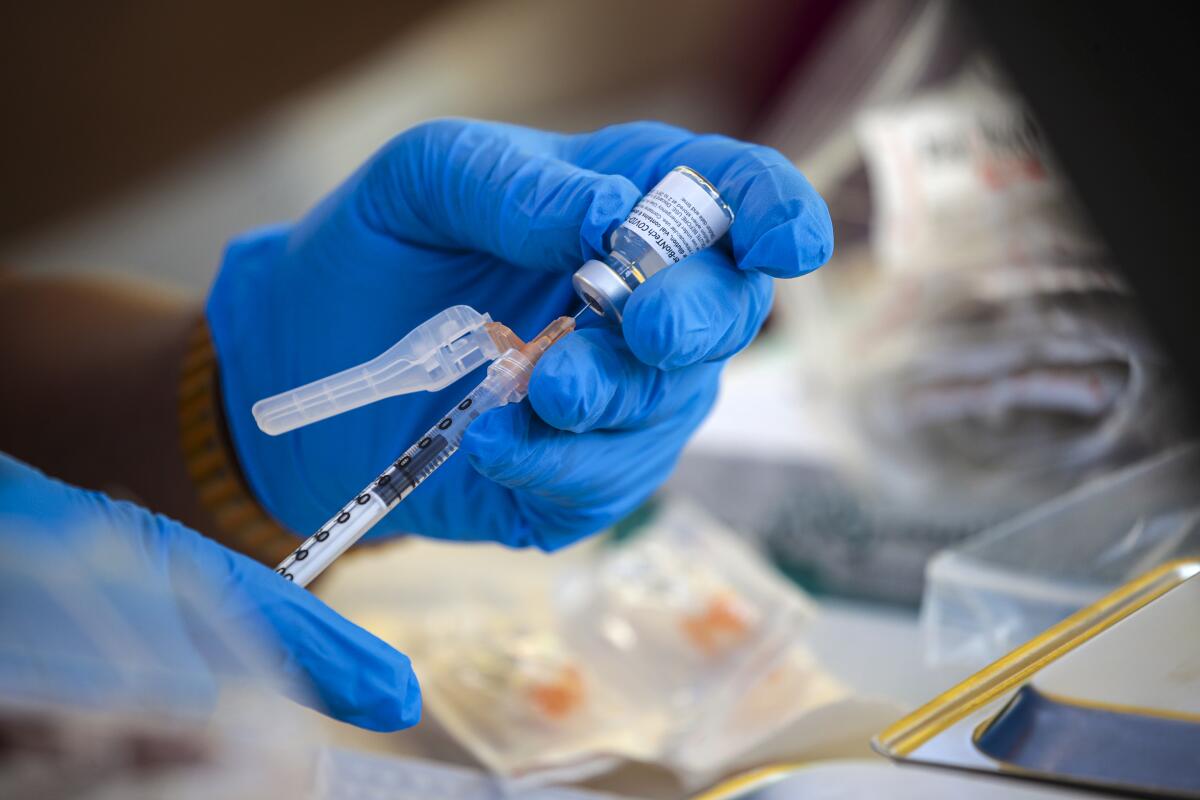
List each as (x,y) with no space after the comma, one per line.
(101,597)
(499,217)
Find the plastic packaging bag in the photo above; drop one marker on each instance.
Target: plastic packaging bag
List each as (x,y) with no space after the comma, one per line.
(679,647)
(978,358)
(999,359)
(689,623)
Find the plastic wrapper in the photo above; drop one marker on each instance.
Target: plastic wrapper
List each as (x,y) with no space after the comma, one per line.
(688,622)
(978,355)
(999,359)
(525,705)
(678,647)
(1008,584)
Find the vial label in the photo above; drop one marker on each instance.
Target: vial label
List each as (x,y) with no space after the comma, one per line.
(677,218)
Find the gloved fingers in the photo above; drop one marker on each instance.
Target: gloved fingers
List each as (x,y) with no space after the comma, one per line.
(782,226)
(224,598)
(591,381)
(354,676)
(702,309)
(86,623)
(462,184)
(569,485)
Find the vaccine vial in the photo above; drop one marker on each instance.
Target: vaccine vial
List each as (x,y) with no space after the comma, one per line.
(681,215)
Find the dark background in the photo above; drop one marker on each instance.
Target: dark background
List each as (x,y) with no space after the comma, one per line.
(99,94)
(1114,86)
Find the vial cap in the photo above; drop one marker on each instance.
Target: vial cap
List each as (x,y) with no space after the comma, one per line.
(602,289)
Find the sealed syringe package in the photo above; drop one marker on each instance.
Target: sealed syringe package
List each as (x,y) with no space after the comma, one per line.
(676,646)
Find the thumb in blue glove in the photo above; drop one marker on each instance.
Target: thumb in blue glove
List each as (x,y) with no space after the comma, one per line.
(103,600)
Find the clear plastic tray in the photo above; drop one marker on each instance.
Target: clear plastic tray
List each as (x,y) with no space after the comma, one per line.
(1009,583)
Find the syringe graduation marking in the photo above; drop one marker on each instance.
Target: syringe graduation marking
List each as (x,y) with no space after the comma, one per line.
(397,481)
(391,490)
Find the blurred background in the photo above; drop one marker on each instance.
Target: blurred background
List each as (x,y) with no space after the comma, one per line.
(973,421)
(149,135)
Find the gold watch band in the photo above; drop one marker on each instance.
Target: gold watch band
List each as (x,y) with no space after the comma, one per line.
(241,523)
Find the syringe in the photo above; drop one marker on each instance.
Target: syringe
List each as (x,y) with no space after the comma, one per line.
(507,382)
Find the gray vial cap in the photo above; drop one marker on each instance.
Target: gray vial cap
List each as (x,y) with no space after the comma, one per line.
(602,289)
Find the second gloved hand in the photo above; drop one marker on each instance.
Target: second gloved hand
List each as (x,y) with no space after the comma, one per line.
(102,601)
(499,217)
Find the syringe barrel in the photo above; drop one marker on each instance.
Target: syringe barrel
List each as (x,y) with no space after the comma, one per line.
(507,382)
(680,216)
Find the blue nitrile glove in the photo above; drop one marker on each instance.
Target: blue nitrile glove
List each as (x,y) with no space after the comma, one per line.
(172,607)
(498,217)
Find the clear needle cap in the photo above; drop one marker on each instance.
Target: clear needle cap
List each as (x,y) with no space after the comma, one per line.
(432,356)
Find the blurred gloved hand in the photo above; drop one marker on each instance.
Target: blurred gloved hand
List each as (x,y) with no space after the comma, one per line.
(499,217)
(102,600)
